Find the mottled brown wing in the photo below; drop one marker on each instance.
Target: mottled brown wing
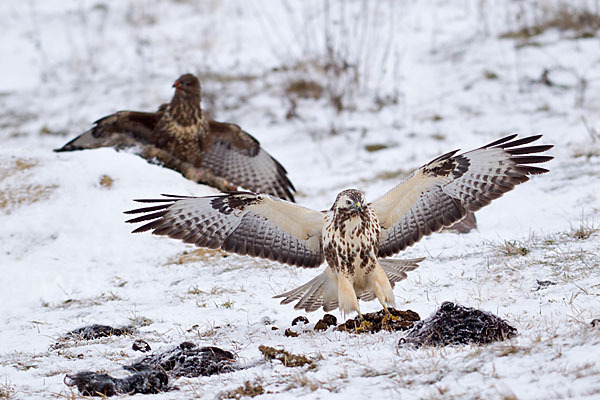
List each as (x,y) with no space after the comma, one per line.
(121,130)
(237,156)
(245,223)
(441,192)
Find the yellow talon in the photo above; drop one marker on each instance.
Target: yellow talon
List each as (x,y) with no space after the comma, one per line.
(364,324)
(388,316)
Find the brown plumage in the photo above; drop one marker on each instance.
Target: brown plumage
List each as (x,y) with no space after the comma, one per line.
(353,236)
(180,137)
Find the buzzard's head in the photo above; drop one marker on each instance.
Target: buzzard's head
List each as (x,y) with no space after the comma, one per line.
(349,201)
(187,85)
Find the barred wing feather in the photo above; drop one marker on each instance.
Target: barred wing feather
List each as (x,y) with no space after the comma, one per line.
(439,194)
(245,223)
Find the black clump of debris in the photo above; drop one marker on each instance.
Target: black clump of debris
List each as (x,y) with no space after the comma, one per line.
(380,320)
(93,384)
(188,360)
(97,331)
(454,324)
(151,373)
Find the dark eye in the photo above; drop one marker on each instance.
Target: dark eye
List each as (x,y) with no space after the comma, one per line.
(348,202)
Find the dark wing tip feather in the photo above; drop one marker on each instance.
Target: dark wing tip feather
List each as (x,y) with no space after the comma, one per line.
(531,159)
(146,209)
(521,141)
(146,227)
(499,141)
(146,217)
(176,196)
(530,149)
(529,170)
(445,156)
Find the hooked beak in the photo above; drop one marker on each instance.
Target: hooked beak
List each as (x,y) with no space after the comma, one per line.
(177,85)
(358,206)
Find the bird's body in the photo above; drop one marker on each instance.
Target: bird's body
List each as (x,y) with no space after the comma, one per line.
(353,236)
(350,245)
(182,127)
(180,137)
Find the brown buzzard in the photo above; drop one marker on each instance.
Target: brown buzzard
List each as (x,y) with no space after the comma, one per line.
(180,137)
(354,236)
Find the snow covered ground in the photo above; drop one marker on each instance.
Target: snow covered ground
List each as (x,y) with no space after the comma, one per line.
(402,82)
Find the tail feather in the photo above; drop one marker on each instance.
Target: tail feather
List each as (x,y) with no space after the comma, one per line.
(313,297)
(320,291)
(300,291)
(395,270)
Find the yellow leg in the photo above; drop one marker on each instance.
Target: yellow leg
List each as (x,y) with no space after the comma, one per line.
(388,316)
(365,326)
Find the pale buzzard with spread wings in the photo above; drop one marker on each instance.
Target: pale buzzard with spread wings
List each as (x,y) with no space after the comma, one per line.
(180,137)
(354,236)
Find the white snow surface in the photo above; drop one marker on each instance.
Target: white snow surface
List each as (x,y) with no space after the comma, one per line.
(68,259)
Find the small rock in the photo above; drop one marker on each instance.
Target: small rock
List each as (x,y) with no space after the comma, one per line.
(300,319)
(325,322)
(141,345)
(290,333)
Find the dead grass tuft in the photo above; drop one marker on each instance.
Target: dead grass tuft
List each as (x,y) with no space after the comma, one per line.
(106,181)
(372,148)
(388,175)
(288,359)
(490,75)
(7,391)
(14,197)
(194,256)
(304,89)
(248,389)
(511,248)
(18,194)
(88,302)
(15,166)
(582,22)
(584,231)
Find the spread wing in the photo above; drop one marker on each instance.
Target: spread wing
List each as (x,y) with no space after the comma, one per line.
(233,154)
(245,223)
(121,129)
(441,192)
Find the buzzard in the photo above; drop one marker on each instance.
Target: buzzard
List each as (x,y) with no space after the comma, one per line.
(180,137)
(353,236)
